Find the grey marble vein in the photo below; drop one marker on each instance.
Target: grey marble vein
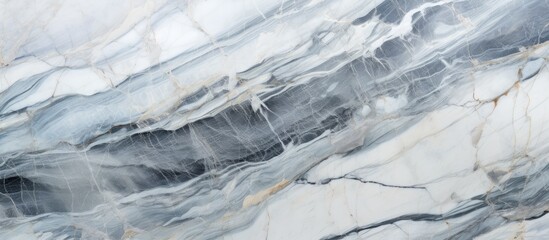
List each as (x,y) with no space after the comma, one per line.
(251,119)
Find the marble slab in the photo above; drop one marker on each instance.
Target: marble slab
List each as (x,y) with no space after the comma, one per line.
(274,119)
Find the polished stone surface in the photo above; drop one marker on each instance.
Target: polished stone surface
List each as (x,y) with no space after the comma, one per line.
(274,119)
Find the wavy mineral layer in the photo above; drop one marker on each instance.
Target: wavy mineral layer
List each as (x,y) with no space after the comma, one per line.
(274,119)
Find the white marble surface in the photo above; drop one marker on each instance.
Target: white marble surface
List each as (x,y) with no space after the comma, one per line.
(264,119)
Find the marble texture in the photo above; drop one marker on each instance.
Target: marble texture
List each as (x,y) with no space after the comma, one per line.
(274,119)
